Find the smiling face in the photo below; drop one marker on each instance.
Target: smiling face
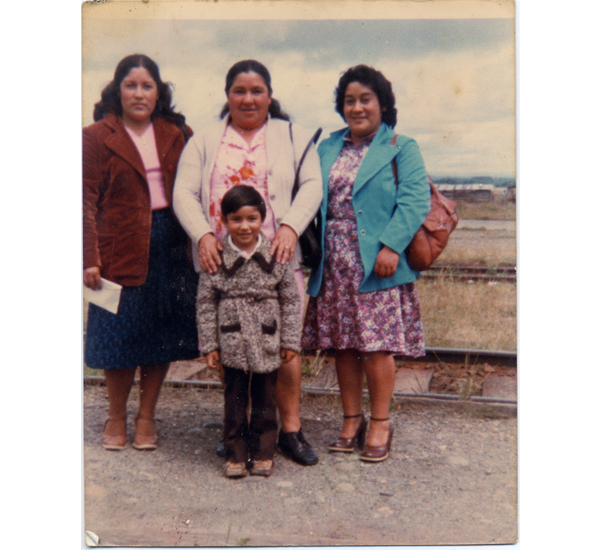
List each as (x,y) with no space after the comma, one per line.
(244,226)
(362,111)
(138,92)
(248,100)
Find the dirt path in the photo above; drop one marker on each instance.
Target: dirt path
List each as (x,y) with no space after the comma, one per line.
(451,479)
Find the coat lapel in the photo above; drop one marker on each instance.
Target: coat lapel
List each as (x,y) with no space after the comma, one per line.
(328,155)
(121,145)
(380,154)
(165,134)
(232,261)
(262,256)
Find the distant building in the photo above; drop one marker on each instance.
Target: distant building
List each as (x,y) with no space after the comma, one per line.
(471,192)
(511,194)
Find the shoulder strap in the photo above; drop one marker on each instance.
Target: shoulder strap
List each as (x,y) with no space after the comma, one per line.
(395,168)
(293,150)
(312,140)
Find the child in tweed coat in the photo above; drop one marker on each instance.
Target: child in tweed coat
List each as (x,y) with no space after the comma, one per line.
(248,322)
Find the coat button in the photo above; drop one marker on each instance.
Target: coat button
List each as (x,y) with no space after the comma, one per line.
(171,168)
(272,197)
(359,212)
(363,232)
(278,220)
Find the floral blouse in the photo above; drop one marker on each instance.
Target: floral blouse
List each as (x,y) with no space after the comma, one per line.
(239,163)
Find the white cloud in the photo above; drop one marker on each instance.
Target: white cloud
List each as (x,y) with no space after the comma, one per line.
(458,105)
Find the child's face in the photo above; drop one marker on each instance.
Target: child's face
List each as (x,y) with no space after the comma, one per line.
(244,226)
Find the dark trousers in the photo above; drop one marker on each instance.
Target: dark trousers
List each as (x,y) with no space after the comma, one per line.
(257,439)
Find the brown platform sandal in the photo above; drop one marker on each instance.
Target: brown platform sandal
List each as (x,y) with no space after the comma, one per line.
(262,468)
(235,469)
(378,453)
(145,437)
(118,441)
(347,444)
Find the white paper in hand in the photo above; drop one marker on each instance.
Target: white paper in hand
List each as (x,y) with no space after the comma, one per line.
(107,297)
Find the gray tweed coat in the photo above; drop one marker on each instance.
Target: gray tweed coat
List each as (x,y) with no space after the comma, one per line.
(249,310)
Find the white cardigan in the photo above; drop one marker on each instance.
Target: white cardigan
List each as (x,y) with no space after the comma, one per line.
(191,195)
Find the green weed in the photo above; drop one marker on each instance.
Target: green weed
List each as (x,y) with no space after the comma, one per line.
(312,367)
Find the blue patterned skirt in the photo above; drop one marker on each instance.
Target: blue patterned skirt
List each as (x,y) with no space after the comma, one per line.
(156,322)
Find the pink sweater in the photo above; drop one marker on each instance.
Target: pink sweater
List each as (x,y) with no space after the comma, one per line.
(146,146)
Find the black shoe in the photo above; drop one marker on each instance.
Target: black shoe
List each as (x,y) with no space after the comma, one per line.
(295,446)
(222,451)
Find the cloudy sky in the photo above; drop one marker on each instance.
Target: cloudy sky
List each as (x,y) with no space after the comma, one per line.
(454,79)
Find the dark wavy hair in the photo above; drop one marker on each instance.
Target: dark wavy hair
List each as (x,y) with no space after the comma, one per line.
(110,100)
(374,80)
(252,66)
(238,197)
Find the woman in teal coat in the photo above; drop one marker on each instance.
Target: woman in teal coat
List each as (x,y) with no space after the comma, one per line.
(364,305)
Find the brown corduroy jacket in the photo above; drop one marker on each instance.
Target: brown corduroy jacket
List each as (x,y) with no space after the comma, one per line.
(116,199)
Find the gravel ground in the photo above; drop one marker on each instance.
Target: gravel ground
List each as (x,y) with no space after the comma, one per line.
(451,479)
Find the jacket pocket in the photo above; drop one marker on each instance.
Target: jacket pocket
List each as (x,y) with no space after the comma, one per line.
(228,329)
(270,328)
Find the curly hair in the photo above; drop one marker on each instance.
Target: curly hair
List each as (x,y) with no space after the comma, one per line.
(252,66)
(110,100)
(374,80)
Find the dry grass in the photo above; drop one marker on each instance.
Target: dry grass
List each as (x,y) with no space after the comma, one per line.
(502,210)
(474,316)
(492,252)
(483,246)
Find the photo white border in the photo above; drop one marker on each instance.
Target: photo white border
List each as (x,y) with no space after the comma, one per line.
(556,46)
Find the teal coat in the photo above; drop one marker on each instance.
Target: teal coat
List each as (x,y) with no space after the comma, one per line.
(386,214)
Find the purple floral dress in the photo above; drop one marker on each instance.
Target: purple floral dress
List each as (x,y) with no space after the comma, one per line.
(341,317)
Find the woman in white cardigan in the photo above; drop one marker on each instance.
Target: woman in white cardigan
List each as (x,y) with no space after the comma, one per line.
(253,144)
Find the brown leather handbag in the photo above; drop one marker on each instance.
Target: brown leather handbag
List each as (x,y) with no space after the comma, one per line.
(432,237)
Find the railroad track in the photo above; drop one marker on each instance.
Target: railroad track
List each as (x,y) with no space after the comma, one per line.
(466,273)
(433,355)
(469,356)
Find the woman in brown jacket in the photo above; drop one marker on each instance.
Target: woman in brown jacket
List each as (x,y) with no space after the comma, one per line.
(131,237)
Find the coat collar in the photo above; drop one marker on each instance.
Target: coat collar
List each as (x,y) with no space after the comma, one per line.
(121,144)
(329,150)
(232,261)
(166,134)
(380,154)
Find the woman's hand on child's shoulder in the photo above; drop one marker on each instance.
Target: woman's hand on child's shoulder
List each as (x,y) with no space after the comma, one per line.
(287,355)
